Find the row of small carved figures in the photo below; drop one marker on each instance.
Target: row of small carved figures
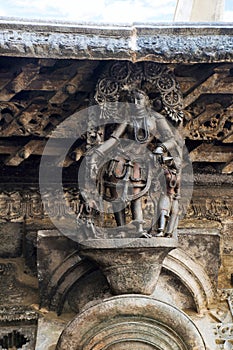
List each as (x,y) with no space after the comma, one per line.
(17,205)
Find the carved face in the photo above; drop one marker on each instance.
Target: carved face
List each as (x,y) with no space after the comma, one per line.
(140,97)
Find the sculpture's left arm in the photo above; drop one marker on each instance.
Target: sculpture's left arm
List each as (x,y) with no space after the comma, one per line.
(171,140)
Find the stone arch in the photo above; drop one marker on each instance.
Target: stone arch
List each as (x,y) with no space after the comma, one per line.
(192,275)
(131,321)
(63,278)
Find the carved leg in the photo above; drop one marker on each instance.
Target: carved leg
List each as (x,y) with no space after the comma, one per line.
(162,223)
(120,217)
(136,209)
(137,215)
(163,212)
(173,221)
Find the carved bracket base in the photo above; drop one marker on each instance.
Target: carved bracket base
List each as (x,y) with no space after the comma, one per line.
(130,265)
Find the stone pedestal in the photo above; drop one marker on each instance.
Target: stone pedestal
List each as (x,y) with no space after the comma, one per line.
(130,265)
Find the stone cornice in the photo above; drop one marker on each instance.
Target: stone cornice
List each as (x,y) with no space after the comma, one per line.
(174,43)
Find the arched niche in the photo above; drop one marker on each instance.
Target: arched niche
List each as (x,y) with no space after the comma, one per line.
(73,280)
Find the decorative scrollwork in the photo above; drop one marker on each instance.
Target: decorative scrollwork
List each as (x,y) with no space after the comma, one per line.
(119,72)
(225,331)
(152,70)
(166,82)
(155,79)
(210,122)
(108,87)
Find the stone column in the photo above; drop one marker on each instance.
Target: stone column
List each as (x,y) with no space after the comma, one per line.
(199,10)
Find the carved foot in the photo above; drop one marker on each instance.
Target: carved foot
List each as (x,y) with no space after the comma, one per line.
(168,235)
(160,234)
(145,235)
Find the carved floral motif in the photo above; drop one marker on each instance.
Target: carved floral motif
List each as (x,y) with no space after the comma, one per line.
(224,336)
(157,81)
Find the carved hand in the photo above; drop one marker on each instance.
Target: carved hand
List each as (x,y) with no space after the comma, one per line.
(159,154)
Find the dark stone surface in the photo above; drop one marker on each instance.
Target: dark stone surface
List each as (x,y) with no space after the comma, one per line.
(203,245)
(17,288)
(11,240)
(52,250)
(30,252)
(88,290)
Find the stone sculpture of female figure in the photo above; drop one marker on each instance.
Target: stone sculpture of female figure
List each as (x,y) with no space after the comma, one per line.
(128,175)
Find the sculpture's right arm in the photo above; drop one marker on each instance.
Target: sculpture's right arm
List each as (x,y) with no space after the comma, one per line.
(101,151)
(95,161)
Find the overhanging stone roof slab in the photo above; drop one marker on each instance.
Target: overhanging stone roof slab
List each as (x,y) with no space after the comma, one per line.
(174,43)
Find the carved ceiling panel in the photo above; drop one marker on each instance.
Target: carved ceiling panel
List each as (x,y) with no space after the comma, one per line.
(208,113)
(36,95)
(208,104)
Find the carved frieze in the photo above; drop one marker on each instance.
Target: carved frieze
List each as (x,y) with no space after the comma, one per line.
(22,204)
(181,48)
(32,103)
(208,105)
(18,326)
(17,206)
(37,119)
(17,314)
(36,95)
(210,208)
